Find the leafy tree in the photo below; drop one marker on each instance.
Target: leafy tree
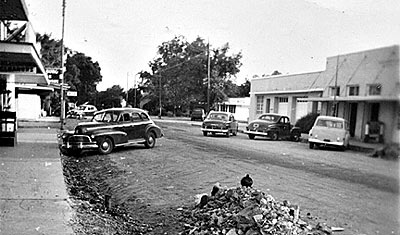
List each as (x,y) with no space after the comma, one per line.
(244,89)
(50,51)
(111,97)
(179,73)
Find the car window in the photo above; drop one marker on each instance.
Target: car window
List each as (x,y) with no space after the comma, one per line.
(331,124)
(144,116)
(98,117)
(269,118)
(218,116)
(125,117)
(136,117)
(110,117)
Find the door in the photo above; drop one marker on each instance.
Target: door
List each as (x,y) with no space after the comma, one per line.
(284,127)
(353,118)
(283,106)
(301,108)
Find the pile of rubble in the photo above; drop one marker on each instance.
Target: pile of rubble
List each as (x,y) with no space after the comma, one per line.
(246,211)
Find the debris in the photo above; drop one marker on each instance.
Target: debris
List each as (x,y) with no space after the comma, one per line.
(246,181)
(246,211)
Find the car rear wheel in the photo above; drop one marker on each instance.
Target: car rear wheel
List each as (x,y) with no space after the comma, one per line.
(251,137)
(205,133)
(150,140)
(228,133)
(105,145)
(296,137)
(311,145)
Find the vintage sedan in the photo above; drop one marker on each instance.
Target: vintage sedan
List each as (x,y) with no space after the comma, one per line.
(111,128)
(273,126)
(329,131)
(220,122)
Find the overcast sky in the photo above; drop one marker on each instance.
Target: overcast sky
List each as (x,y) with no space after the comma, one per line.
(291,36)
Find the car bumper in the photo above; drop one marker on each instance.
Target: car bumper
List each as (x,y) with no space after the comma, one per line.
(259,133)
(78,142)
(322,142)
(215,130)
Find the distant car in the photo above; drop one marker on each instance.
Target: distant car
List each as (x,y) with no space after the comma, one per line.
(198,114)
(111,128)
(82,111)
(273,126)
(220,122)
(329,131)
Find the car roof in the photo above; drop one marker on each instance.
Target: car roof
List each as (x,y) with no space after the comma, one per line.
(274,114)
(330,118)
(119,110)
(221,112)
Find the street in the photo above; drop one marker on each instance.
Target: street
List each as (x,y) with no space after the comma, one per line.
(344,189)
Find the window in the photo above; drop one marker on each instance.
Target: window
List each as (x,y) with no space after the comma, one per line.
(334,91)
(283,99)
(232,108)
(374,89)
(136,117)
(260,104)
(353,90)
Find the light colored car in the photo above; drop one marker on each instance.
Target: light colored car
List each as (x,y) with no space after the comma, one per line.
(82,111)
(220,122)
(329,131)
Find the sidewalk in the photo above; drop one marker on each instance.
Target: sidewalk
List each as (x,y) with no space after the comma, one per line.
(33,196)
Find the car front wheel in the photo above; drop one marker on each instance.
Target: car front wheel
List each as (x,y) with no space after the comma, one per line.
(275,136)
(150,140)
(205,133)
(251,137)
(105,145)
(311,145)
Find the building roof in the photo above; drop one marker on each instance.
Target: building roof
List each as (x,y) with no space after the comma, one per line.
(13,10)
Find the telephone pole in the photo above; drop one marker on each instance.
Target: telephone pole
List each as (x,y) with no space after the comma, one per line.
(62,114)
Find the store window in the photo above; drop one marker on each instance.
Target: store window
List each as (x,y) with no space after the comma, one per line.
(260,104)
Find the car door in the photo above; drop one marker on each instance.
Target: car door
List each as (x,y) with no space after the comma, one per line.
(284,127)
(126,125)
(139,125)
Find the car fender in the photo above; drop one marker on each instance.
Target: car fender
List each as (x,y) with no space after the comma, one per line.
(295,130)
(117,136)
(156,130)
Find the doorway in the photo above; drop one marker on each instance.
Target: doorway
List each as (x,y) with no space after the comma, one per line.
(353,118)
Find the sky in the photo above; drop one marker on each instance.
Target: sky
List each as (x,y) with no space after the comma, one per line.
(291,36)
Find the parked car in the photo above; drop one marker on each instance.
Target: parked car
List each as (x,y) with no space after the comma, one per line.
(112,128)
(198,114)
(82,111)
(273,126)
(220,122)
(329,131)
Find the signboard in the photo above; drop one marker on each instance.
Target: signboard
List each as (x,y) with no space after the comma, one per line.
(72,93)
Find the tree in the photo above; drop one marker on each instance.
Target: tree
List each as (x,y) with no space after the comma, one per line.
(83,75)
(179,74)
(244,89)
(111,97)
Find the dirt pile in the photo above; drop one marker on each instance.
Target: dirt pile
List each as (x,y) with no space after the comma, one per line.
(246,211)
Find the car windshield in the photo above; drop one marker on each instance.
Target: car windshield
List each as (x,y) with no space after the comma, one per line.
(218,116)
(271,118)
(81,107)
(330,123)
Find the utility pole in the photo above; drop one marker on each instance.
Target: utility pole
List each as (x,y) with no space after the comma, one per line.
(127,88)
(62,114)
(159,115)
(208,76)
(336,88)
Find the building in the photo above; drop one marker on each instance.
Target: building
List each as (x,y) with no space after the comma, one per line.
(237,106)
(362,87)
(24,83)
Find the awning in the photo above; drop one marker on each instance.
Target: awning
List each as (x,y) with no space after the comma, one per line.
(354,98)
(13,10)
(287,91)
(22,60)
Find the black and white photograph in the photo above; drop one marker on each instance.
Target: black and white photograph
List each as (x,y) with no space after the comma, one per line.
(172,117)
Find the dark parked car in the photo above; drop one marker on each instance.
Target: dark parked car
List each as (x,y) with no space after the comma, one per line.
(273,126)
(198,114)
(220,122)
(111,128)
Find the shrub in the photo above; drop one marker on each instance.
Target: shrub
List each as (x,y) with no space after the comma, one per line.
(306,122)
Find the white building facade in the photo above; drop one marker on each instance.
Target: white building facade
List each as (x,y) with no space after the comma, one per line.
(362,87)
